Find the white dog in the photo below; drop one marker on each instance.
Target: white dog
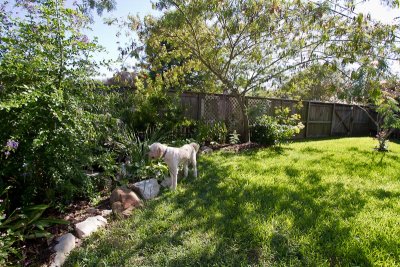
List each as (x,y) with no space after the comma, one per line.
(174,156)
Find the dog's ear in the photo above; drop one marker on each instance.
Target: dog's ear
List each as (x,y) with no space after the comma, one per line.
(159,151)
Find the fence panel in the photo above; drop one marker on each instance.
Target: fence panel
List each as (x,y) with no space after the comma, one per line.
(320,119)
(362,124)
(342,120)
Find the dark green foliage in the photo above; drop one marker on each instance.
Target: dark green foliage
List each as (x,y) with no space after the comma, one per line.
(21,224)
(150,106)
(265,131)
(47,105)
(211,132)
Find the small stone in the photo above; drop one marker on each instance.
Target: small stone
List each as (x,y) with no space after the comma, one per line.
(106,213)
(92,210)
(148,188)
(90,225)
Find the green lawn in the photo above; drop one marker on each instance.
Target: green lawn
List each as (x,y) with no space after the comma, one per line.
(316,203)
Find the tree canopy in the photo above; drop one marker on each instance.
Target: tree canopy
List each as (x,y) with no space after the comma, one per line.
(248,45)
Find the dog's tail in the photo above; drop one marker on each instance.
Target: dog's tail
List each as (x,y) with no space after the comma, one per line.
(195,146)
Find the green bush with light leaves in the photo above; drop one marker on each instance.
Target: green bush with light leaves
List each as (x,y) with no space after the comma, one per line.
(278,129)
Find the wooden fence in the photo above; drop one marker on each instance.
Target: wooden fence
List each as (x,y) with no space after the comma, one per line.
(320,119)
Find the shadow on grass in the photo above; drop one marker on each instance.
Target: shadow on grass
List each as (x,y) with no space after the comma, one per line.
(238,226)
(236,212)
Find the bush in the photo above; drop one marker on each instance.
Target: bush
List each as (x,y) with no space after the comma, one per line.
(211,132)
(234,138)
(134,150)
(153,107)
(268,130)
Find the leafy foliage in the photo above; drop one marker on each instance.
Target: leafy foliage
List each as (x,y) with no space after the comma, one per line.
(234,138)
(46,103)
(153,106)
(19,225)
(269,130)
(250,45)
(317,82)
(211,132)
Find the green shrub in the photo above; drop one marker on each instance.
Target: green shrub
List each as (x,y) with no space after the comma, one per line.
(48,105)
(234,138)
(268,130)
(153,107)
(212,132)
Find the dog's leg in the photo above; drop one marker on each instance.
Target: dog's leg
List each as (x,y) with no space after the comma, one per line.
(174,177)
(194,163)
(185,169)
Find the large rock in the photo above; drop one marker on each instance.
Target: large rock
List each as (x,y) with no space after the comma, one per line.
(205,150)
(124,200)
(90,225)
(148,188)
(65,244)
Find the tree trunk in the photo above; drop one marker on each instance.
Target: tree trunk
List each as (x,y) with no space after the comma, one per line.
(243,109)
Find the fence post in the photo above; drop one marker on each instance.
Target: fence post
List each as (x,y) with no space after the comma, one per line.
(198,107)
(308,118)
(352,120)
(332,119)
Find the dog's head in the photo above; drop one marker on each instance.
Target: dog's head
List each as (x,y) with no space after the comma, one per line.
(195,146)
(156,150)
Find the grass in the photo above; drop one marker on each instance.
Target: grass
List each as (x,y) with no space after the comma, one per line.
(314,203)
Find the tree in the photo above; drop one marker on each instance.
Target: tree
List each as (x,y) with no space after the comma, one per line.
(250,44)
(373,86)
(317,82)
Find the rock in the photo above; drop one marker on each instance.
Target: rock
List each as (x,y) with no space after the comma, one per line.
(148,188)
(127,197)
(166,182)
(205,150)
(127,212)
(92,210)
(122,199)
(117,208)
(90,225)
(105,213)
(65,244)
